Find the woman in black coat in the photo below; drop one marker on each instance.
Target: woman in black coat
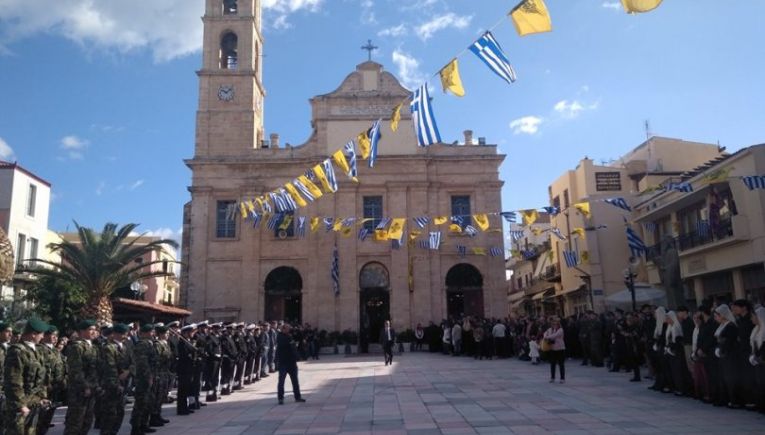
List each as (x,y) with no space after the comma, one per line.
(727,355)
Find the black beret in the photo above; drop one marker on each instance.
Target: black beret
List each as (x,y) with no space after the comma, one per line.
(35,325)
(85,324)
(120,328)
(148,327)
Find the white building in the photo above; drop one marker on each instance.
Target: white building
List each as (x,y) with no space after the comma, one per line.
(24,207)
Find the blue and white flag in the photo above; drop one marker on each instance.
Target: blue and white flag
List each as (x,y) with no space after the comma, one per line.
(423,244)
(619,202)
(335,271)
(461,250)
(347,222)
(470,230)
(754,182)
(303,189)
(421,221)
(329,223)
(256,218)
(288,199)
(384,222)
(434,240)
(571,258)
(350,154)
(266,206)
(363,233)
(509,216)
(650,227)
(374,138)
(557,233)
(301,227)
(278,201)
(496,252)
(488,50)
(679,187)
(311,175)
(459,220)
(329,171)
(396,244)
(528,254)
(637,247)
(423,118)
(516,235)
(274,221)
(552,211)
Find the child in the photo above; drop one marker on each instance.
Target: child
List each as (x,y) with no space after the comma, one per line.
(534,351)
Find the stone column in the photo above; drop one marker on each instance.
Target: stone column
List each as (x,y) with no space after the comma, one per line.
(738,284)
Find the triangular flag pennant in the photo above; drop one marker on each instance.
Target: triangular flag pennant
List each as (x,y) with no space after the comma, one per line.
(440,220)
(578,231)
(638,6)
(531,16)
(315,224)
(584,208)
(365,145)
(396,117)
(479,251)
(243,210)
(286,222)
(482,220)
(450,79)
(529,216)
(339,158)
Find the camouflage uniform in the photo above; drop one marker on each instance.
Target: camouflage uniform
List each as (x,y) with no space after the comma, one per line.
(55,382)
(3,352)
(165,361)
(82,372)
(23,383)
(114,361)
(144,361)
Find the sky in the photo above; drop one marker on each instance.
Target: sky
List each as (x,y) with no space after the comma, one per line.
(99,97)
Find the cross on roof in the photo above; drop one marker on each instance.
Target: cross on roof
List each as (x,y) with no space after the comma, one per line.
(369,47)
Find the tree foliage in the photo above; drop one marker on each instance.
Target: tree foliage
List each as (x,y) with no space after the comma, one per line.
(57,301)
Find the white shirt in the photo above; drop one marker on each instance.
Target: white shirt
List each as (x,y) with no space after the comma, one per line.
(30,344)
(387,331)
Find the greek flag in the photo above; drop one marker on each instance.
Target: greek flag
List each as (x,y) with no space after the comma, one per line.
(267,206)
(423,118)
(435,240)
(702,228)
(422,221)
(278,202)
(363,233)
(496,252)
(509,216)
(256,218)
(516,235)
(471,231)
(350,154)
(423,244)
(347,222)
(557,233)
(680,187)
(552,211)
(288,199)
(374,137)
(637,247)
(528,254)
(459,220)
(301,227)
(329,171)
(650,227)
(303,189)
(329,223)
(619,202)
(274,221)
(335,271)
(488,50)
(754,181)
(461,250)
(571,258)
(311,175)
(383,223)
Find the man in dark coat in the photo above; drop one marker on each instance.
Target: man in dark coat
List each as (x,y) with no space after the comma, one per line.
(387,340)
(287,356)
(187,366)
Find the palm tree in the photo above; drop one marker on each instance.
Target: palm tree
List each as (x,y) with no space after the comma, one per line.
(102,263)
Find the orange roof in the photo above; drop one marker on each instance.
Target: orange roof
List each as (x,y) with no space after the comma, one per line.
(144,305)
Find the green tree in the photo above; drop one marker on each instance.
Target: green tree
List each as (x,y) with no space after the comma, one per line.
(57,301)
(100,263)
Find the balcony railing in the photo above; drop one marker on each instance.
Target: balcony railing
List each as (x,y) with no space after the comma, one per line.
(694,239)
(551,273)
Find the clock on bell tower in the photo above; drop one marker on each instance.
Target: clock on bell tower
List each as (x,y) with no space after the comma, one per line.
(230,112)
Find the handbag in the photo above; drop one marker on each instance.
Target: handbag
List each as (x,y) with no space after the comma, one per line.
(546,346)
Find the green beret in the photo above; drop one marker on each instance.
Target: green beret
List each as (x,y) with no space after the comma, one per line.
(160,329)
(147,327)
(51,329)
(85,324)
(35,325)
(5,326)
(120,328)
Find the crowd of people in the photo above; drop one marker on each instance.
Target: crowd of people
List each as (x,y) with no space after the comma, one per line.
(95,372)
(715,354)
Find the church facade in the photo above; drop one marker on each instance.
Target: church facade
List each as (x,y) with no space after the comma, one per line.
(234,271)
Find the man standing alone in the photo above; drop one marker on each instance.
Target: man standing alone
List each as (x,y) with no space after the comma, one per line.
(286,354)
(387,339)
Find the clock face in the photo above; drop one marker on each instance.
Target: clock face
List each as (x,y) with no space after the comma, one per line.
(226,93)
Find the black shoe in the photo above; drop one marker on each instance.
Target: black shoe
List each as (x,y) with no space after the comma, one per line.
(238,387)
(211,398)
(264,375)
(300,400)
(225,392)
(147,429)
(163,420)
(155,421)
(635,380)
(281,401)
(189,412)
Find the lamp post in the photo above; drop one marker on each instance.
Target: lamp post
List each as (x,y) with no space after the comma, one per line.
(629,280)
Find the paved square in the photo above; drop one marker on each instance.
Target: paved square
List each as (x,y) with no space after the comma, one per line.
(424,394)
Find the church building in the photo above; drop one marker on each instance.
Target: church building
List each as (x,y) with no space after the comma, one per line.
(233,271)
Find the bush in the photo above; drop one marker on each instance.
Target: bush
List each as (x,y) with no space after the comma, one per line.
(334,338)
(406,336)
(350,337)
(323,339)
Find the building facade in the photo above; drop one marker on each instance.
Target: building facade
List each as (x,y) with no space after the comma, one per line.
(233,271)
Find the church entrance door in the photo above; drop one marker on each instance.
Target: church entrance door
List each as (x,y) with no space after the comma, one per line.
(283,295)
(464,291)
(374,303)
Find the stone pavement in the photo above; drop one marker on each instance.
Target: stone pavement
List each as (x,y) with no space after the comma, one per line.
(424,394)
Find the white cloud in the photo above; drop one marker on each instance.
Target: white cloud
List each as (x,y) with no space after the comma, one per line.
(526,125)
(408,69)
(6,152)
(283,8)
(612,5)
(395,31)
(572,109)
(367,12)
(440,22)
(136,185)
(100,188)
(73,143)
(165,233)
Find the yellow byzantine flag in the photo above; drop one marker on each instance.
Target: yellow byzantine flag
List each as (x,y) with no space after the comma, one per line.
(346,231)
(292,190)
(440,220)
(482,220)
(413,235)
(479,251)
(585,256)
(396,230)
(584,208)
(365,145)
(286,222)
(529,216)
(243,210)
(395,117)
(339,158)
(315,224)
(537,231)
(251,206)
(531,16)
(455,228)
(638,6)
(319,172)
(450,79)
(338,224)
(310,186)
(578,231)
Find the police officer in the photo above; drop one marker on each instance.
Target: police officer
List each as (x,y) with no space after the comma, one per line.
(187,366)
(266,346)
(114,369)
(142,370)
(55,377)
(82,380)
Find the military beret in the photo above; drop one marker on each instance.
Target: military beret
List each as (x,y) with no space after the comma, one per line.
(5,326)
(120,328)
(85,324)
(173,323)
(160,329)
(35,325)
(51,329)
(148,327)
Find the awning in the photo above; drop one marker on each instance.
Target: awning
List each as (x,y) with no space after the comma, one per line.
(148,307)
(541,295)
(643,293)
(518,303)
(516,296)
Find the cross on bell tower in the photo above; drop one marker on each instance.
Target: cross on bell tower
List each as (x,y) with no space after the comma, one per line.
(369,47)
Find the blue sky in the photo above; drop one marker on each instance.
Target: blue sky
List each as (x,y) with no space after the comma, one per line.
(99,97)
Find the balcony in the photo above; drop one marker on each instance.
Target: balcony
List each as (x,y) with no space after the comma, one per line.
(695,239)
(551,273)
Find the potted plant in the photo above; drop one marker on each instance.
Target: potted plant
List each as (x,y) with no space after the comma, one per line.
(351,340)
(405,339)
(334,339)
(325,343)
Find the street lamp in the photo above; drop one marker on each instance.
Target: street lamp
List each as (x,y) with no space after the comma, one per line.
(137,288)
(629,279)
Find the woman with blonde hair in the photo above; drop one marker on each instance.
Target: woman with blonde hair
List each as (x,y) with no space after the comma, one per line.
(557,354)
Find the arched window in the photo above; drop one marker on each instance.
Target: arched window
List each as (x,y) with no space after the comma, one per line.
(230,7)
(228,53)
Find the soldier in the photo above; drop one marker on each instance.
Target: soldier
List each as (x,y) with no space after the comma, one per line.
(199,341)
(214,355)
(241,360)
(230,354)
(187,366)
(55,377)
(114,370)
(100,342)
(165,361)
(252,350)
(23,381)
(82,380)
(142,370)
(6,333)
(265,349)
(174,328)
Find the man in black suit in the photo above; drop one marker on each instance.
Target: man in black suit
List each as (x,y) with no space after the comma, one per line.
(286,354)
(388,339)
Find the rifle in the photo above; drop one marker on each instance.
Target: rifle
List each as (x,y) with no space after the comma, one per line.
(30,421)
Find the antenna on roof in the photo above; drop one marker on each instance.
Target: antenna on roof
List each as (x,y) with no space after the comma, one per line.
(648,133)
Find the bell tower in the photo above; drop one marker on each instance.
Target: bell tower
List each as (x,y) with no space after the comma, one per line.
(230,112)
